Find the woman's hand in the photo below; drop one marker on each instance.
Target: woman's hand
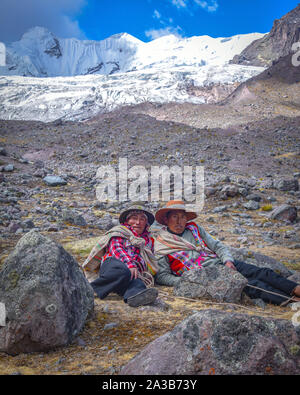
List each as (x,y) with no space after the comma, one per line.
(134,273)
(230,265)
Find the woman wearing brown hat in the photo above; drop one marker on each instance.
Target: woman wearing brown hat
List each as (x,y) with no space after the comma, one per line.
(183,245)
(128,264)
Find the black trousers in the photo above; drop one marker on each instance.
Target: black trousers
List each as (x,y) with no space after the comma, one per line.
(114,276)
(267,279)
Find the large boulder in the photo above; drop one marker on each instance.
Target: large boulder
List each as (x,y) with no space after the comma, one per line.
(222,343)
(46,296)
(216,282)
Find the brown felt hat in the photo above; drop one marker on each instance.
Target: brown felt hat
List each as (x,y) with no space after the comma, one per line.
(136,207)
(161,214)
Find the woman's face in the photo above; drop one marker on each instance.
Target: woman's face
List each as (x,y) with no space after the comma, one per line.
(138,222)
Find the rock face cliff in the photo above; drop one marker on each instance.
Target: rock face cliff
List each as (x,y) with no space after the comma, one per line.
(262,52)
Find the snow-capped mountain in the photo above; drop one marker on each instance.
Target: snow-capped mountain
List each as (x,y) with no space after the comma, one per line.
(40,54)
(87,77)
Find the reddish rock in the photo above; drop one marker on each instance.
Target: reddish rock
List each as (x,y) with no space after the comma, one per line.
(221,343)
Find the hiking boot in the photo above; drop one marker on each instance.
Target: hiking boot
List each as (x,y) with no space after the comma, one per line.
(142,298)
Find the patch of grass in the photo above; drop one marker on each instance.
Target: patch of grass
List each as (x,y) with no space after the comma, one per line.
(293,266)
(267,207)
(81,247)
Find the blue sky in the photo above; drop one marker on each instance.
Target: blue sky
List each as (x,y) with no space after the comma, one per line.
(144,19)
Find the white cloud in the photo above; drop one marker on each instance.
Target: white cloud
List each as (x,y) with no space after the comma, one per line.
(156,33)
(210,6)
(59,16)
(180,3)
(156,14)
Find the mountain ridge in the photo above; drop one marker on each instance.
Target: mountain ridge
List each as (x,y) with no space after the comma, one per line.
(39,53)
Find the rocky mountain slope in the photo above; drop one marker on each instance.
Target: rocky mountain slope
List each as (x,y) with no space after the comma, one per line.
(250,169)
(278,43)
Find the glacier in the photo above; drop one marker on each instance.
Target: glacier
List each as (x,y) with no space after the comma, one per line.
(47,78)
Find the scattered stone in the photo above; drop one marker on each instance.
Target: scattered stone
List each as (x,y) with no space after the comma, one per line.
(71,217)
(110,325)
(219,209)
(253,196)
(54,181)
(287,184)
(157,305)
(295,246)
(8,168)
(251,205)
(210,191)
(13,227)
(259,303)
(229,190)
(242,240)
(28,224)
(106,222)
(284,212)
(266,184)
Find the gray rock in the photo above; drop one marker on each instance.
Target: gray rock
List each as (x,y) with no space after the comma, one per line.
(251,205)
(259,303)
(210,191)
(28,224)
(39,164)
(106,222)
(8,167)
(219,209)
(251,182)
(221,343)
(3,151)
(54,181)
(254,196)
(284,212)
(287,184)
(72,217)
(216,282)
(157,305)
(243,191)
(40,173)
(267,184)
(46,295)
(13,227)
(110,325)
(229,190)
